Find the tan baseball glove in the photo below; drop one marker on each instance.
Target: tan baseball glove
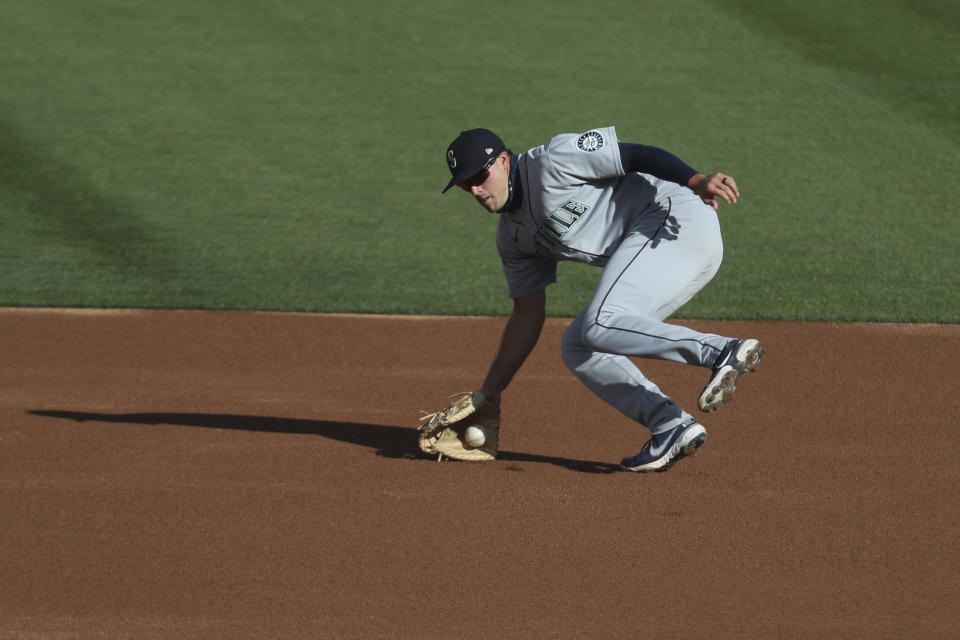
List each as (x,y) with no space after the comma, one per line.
(445,433)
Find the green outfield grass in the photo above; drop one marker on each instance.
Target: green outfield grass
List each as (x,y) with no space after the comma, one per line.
(288,155)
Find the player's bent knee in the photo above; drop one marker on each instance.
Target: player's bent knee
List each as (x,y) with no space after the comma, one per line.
(592,336)
(572,349)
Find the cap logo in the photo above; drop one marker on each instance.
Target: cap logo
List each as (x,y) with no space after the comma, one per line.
(590,141)
(451,159)
(488,150)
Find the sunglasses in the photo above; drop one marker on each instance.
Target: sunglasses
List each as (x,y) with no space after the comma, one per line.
(478,179)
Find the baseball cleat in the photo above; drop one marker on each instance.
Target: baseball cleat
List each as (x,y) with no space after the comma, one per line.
(662,451)
(739,357)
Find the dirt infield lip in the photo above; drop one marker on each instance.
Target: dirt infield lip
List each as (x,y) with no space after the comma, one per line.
(94,311)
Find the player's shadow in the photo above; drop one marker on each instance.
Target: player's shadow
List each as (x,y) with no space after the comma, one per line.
(386,441)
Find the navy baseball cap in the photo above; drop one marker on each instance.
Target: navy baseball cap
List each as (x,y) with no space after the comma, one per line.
(472,152)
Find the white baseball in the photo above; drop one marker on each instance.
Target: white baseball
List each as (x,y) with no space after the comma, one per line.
(474,436)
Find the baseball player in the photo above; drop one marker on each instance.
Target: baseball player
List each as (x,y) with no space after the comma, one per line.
(649,221)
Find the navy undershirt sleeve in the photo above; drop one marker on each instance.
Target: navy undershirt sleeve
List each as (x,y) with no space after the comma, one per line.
(655,161)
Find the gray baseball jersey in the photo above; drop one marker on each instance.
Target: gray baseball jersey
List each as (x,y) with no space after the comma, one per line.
(578,204)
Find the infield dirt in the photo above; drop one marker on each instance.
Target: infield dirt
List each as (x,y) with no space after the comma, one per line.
(178,474)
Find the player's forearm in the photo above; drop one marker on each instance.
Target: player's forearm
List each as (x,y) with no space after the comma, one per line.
(656,162)
(519,338)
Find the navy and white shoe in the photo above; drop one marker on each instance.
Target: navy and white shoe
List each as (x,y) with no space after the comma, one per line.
(737,358)
(662,451)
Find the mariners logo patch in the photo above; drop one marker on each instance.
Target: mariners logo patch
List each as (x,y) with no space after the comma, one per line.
(451,159)
(590,141)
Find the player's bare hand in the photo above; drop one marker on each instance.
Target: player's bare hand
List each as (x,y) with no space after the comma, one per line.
(716,185)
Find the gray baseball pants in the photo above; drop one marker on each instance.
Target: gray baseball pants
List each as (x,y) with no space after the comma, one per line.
(667,256)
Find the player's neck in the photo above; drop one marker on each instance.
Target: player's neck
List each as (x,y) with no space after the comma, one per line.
(515,189)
